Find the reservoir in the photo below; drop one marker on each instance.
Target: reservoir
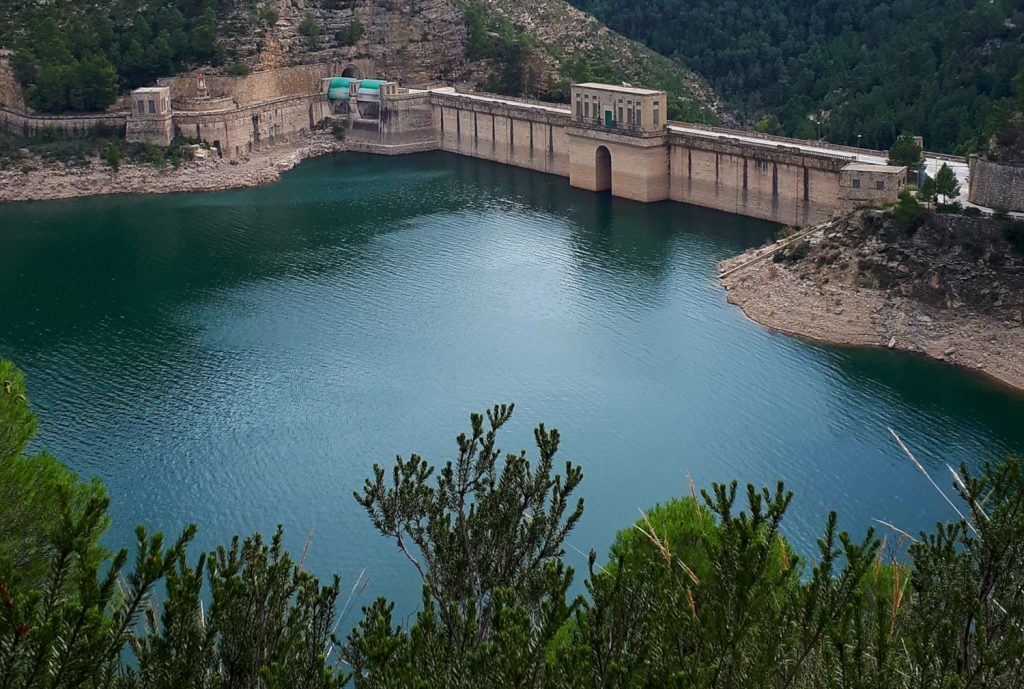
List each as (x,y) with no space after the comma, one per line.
(241,359)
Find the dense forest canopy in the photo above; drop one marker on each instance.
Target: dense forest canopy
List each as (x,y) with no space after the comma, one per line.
(843,68)
(70,57)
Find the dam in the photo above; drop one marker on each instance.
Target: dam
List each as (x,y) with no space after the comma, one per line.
(617,139)
(609,138)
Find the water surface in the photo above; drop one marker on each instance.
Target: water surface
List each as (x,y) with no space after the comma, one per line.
(241,359)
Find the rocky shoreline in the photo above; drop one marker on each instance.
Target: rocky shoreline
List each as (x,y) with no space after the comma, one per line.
(48,181)
(952,292)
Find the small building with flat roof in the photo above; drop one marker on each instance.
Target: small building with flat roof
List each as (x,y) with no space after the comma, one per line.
(867,184)
(150,118)
(623,108)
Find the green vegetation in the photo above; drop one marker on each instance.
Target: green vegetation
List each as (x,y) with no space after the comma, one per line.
(701,592)
(351,34)
(310,29)
(906,151)
(946,184)
(1013,232)
(875,68)
(107,144)
(77,58)
(268,16)
(908,215)
(111,155)
(494,38)
(792,252)
(239,69)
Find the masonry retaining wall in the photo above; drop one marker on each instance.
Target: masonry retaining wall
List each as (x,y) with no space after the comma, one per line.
(993,184)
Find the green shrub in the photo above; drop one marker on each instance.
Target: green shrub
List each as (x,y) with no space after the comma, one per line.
(793,252)
(154,154)
(268,16)
(908,215)
(351,34)
(1013,233)
(25,169)
(111,155)
(239,69)
(972,212)
(786,232)
(309,28)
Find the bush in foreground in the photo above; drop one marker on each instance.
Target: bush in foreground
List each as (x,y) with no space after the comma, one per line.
(703,591)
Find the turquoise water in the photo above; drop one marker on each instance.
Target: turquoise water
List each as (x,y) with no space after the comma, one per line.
(242,358)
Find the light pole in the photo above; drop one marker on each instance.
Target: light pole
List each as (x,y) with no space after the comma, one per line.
(858,140)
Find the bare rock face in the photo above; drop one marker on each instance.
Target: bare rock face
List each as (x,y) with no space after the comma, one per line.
(424,41)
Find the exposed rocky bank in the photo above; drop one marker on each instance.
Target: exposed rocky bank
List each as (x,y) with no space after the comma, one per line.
(50,180)
(952,290)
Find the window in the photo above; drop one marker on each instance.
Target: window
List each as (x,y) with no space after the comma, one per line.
(586,106)
(880,185)
(597,108)
(629,112)
(856,183)
(152,106)
(657,113)
(637,117)
(142,107)
(579,107)
(620,112)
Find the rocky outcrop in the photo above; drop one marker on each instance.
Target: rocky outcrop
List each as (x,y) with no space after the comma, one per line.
(953,290)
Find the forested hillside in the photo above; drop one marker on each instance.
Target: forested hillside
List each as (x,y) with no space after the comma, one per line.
(76,57)
(874,68)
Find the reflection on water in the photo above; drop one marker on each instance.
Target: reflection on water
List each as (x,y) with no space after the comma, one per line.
(242,358)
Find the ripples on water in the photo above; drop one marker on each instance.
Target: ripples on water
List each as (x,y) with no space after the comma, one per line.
(241,359)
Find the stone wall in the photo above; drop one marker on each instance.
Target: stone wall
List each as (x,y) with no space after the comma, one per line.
(238,131)
(780,183)
(992,184)
(30,124)
(505,131)
(301,80)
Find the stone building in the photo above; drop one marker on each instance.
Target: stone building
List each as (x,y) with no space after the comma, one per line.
(623,108)
(150,118)
(866,184)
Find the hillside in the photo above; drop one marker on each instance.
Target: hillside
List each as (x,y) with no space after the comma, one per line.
(72,56)
(867,69)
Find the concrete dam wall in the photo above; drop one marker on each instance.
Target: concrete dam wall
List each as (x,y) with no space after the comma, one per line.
(780,180)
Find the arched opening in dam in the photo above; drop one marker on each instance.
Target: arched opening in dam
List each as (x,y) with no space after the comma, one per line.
(603,169)
(353,72)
